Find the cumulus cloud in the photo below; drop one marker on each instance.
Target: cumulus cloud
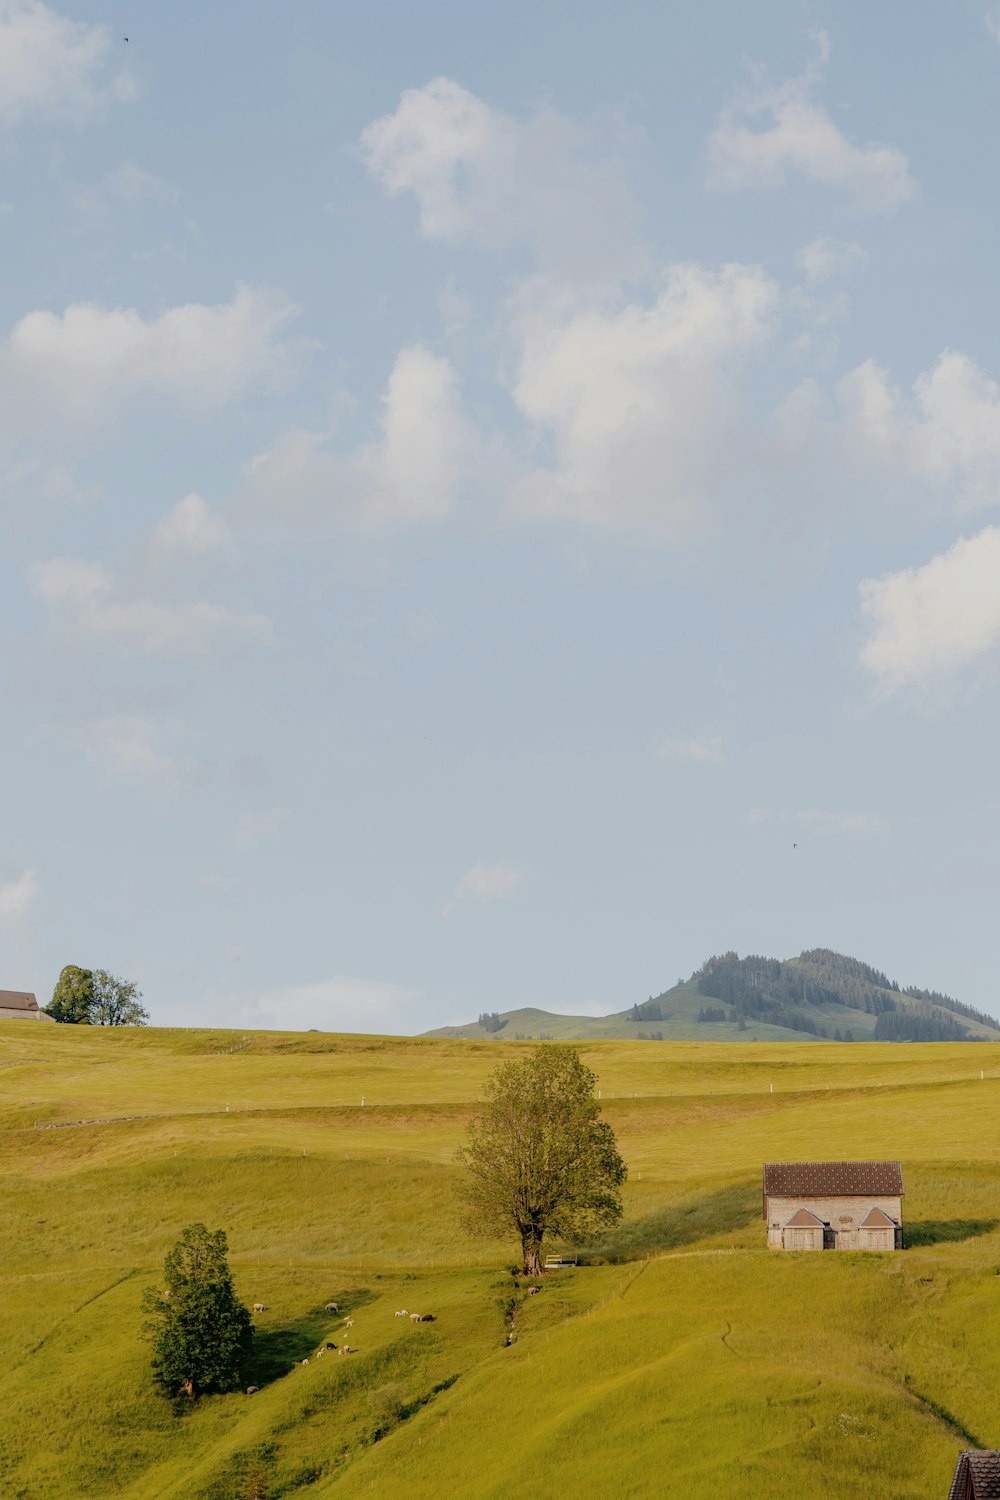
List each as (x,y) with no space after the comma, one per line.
(342,1003)
(946,433)
(791,134)
(484,883)
(928,622)
(189,527)
(87,603)
(17,897)
(52,66)
(409,473)
(479,174)
(636,401)
(706,751)
(90,356)
(824,258)
(127,747)
(254,827)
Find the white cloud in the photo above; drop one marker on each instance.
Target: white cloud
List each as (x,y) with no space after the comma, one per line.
(133,184)
(126,745)
(946,434)
(255,827)
(636,401)
(707,751)
(480,174)
(342,1003)
(409,474)
(87,603)
(50,65)
(17,897)
(928,622)
(484,883)
(824,258)
(198,355)
(798,137)
(189,527)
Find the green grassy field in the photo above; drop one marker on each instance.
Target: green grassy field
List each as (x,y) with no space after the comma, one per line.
(686,1360)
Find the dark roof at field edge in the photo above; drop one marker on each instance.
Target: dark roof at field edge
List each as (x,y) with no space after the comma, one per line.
(17,1000)
(977,1475)
(832,1179)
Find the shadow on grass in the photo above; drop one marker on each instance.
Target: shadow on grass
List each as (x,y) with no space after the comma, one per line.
(939,1231)
(276,1350)
(681,1224)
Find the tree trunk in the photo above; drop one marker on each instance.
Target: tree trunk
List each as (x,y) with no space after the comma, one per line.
(531,1250)
(187,1386)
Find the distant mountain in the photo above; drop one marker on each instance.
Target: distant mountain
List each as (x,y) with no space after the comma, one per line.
(821,996)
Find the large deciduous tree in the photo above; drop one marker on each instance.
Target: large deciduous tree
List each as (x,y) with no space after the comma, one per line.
(116,1002)
(540,1160)
(201,1331)
(73,997)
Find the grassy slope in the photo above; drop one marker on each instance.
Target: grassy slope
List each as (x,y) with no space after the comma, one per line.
(712,1368)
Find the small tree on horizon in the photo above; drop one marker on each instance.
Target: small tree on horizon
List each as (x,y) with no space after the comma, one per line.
(116,1002)
(73,997)
(539,1159)
(201,1331)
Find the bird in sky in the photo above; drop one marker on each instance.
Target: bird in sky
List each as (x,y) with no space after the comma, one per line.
(795,846)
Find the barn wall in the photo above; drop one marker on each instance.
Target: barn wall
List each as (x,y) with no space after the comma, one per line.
(833,1211)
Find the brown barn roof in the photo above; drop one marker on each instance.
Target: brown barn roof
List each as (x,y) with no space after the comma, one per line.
(17,1000)
(804,1218)
(832,1179)
(977,1476)
(876,1219)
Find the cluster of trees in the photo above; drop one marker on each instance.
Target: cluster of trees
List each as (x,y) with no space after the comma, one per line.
(910,1027)
(94,997)
(715,1013)
(649,1010)
(650,1036)
(946,1002)
(490,1020)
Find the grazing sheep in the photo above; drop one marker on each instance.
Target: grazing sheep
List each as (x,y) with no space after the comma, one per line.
(260,1307)
(332,1307)
(533,1289)
(319,1354)
(329,1345)
(348,1322)
(344,1349)
(252,1390)
(415,1318)
(404,1314)
(427,1318)
(306,1360)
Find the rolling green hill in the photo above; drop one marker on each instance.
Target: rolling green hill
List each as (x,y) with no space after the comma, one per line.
(820,994)
(681,1358)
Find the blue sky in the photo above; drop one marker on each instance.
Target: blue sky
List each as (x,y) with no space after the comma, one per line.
(497,502)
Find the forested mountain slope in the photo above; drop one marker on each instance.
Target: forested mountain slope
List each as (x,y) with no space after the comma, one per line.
(819,994)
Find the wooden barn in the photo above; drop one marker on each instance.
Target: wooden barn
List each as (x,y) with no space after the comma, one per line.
(833,1205)
(18,1005)
(977,1475)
